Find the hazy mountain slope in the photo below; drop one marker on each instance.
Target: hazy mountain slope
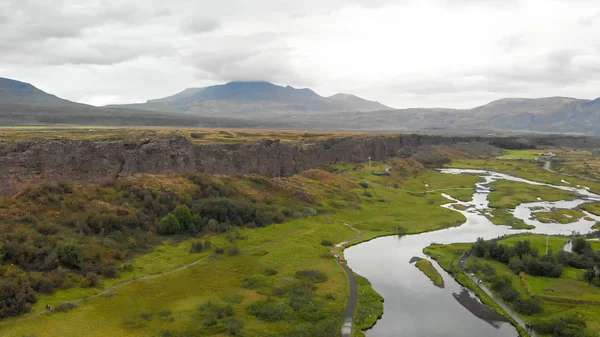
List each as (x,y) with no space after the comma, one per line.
(255,99)
(23,104)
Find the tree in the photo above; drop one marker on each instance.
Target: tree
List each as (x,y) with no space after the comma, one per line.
(184,216)
(589,275)
(16,294)
(169,225)
(580,246)
(71,256)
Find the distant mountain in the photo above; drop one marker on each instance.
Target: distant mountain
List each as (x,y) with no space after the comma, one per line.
(23,104)
(255,99)
(266,105)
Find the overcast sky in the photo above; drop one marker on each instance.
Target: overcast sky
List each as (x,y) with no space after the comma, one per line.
(403,53)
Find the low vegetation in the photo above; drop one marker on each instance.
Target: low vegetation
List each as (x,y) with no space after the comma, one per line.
(505,218)
(509,194)
(551,291)
(369,308)
(429,270)
(563,216)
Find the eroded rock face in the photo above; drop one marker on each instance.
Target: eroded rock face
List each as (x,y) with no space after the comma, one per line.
(35,161)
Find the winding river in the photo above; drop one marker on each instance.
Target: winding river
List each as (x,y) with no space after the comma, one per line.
(413,306)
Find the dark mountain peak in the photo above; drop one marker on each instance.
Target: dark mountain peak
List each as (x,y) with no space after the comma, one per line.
(17,92)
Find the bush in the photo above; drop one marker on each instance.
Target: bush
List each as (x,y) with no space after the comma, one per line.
(165,313)
(509,294)
(93,279)
(197,247)
(235,326)
(169,225)
(315,276)
(528,307)
(47,228)
(270,272)
(146,315)
(327,243)
(71,256)
(65,307)
(197,135)
(367,194)
(233,251)
(269,311)
(561,327)
(254,281)
(235,298)
(364,184)
(219,251)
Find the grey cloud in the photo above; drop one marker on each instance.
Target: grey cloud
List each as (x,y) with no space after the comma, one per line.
(196,25)
(589,20)
(511,43)
(246,57)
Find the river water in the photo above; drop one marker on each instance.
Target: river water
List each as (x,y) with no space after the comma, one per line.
(413,306)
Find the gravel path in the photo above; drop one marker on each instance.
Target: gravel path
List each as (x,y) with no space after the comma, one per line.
(498,301)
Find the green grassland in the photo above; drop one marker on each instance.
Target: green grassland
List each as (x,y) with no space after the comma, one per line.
(532,170)
(196,286)
(429,270)
(568,289)
(521,154)
(563,216)
(509,194)
(370,306)
(579,163)
(592,207)
(504,218)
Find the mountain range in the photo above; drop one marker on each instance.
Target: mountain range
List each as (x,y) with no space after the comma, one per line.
(266,105)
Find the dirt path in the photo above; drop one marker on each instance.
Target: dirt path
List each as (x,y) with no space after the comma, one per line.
(146,277)
(498,301)
(348,325)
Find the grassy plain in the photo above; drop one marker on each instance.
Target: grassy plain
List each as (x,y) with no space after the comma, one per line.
(504,218)
(429,270)
(521,154)
(509,194)
(169,303)
(563,216)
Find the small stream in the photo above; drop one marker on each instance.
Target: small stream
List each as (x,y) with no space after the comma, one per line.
(413,306)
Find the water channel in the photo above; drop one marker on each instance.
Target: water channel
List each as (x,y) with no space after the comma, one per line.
(413,306)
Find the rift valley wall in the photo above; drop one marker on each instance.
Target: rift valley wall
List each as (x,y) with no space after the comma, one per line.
(35,161)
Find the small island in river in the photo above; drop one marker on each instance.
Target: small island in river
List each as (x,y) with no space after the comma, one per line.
(429,270)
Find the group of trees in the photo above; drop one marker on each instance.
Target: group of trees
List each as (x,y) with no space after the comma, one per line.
(520,258)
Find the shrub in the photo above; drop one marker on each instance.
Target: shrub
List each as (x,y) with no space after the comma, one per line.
(92,279)
(330,297)
(165,313)
(367,194)
(509,294)
(235,298)
(47,228)
(197,135)
(327,243)
(235,326)
(71,256)
(254,281)
(364,184)
(65,307)
(270,272)
(197,247)
(315,276)
(169,225)
(146,315)
(528,307)
(219,251)
(233,251)
(269,311)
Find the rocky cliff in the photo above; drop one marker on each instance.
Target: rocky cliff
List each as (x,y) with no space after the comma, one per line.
(35,161)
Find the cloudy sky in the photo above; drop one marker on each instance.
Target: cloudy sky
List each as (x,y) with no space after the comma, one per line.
(404,53)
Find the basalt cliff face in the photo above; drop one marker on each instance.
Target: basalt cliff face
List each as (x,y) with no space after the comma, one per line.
(35,161)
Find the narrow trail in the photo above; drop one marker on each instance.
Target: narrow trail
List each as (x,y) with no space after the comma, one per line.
(348,325)
(548,163)
(146,277)
(498,301)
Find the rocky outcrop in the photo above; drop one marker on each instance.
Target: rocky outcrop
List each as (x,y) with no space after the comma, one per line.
(35,161)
